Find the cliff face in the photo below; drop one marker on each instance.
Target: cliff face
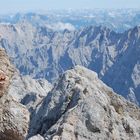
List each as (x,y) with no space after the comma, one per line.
(14,117)
(82,107)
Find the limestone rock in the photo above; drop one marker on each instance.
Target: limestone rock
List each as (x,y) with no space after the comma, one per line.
(14,119)
(27,91)
(37,137)
(80,106)
(6,72)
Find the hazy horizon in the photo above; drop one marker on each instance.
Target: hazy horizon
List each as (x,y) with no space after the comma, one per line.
(14,6)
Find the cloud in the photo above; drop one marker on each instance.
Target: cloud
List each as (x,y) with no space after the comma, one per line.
(59,26)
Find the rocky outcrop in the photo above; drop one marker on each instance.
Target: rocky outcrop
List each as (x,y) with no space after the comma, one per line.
(14,117)
(27,91)
(14,91)
(6,72)
(80,106)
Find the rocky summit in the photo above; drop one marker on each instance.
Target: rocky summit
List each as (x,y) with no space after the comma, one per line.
(82,107)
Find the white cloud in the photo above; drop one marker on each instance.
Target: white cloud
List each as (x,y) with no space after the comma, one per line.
(59,26)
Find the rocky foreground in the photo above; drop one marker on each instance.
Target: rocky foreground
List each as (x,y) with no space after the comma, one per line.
(14,117)
(78,107)
(82,107)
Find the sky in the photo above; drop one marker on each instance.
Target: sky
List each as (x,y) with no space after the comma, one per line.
(7,6)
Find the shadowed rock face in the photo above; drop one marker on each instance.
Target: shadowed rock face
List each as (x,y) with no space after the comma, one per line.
(14,117)
(6,72)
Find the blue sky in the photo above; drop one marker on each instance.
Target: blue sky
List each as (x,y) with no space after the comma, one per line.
(28,5)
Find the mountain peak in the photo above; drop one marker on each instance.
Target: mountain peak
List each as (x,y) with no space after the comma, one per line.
(135,32)
(80,105)
(81,71)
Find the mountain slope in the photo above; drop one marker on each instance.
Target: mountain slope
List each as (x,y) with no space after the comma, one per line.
(43,53)
(124,75)
(29,92)
(15,92)
(80,106)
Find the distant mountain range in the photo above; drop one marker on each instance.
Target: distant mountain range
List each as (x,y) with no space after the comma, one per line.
(44,53)
(118,20)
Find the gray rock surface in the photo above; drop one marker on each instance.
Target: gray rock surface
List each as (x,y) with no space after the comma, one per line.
(27,91)
(80,106)
(14,117)
(14,91)
(6,72)
(37,137)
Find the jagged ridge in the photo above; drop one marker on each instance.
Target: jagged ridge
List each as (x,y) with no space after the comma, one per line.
(97,48)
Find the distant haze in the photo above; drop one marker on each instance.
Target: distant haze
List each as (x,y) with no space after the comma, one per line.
(13,6)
